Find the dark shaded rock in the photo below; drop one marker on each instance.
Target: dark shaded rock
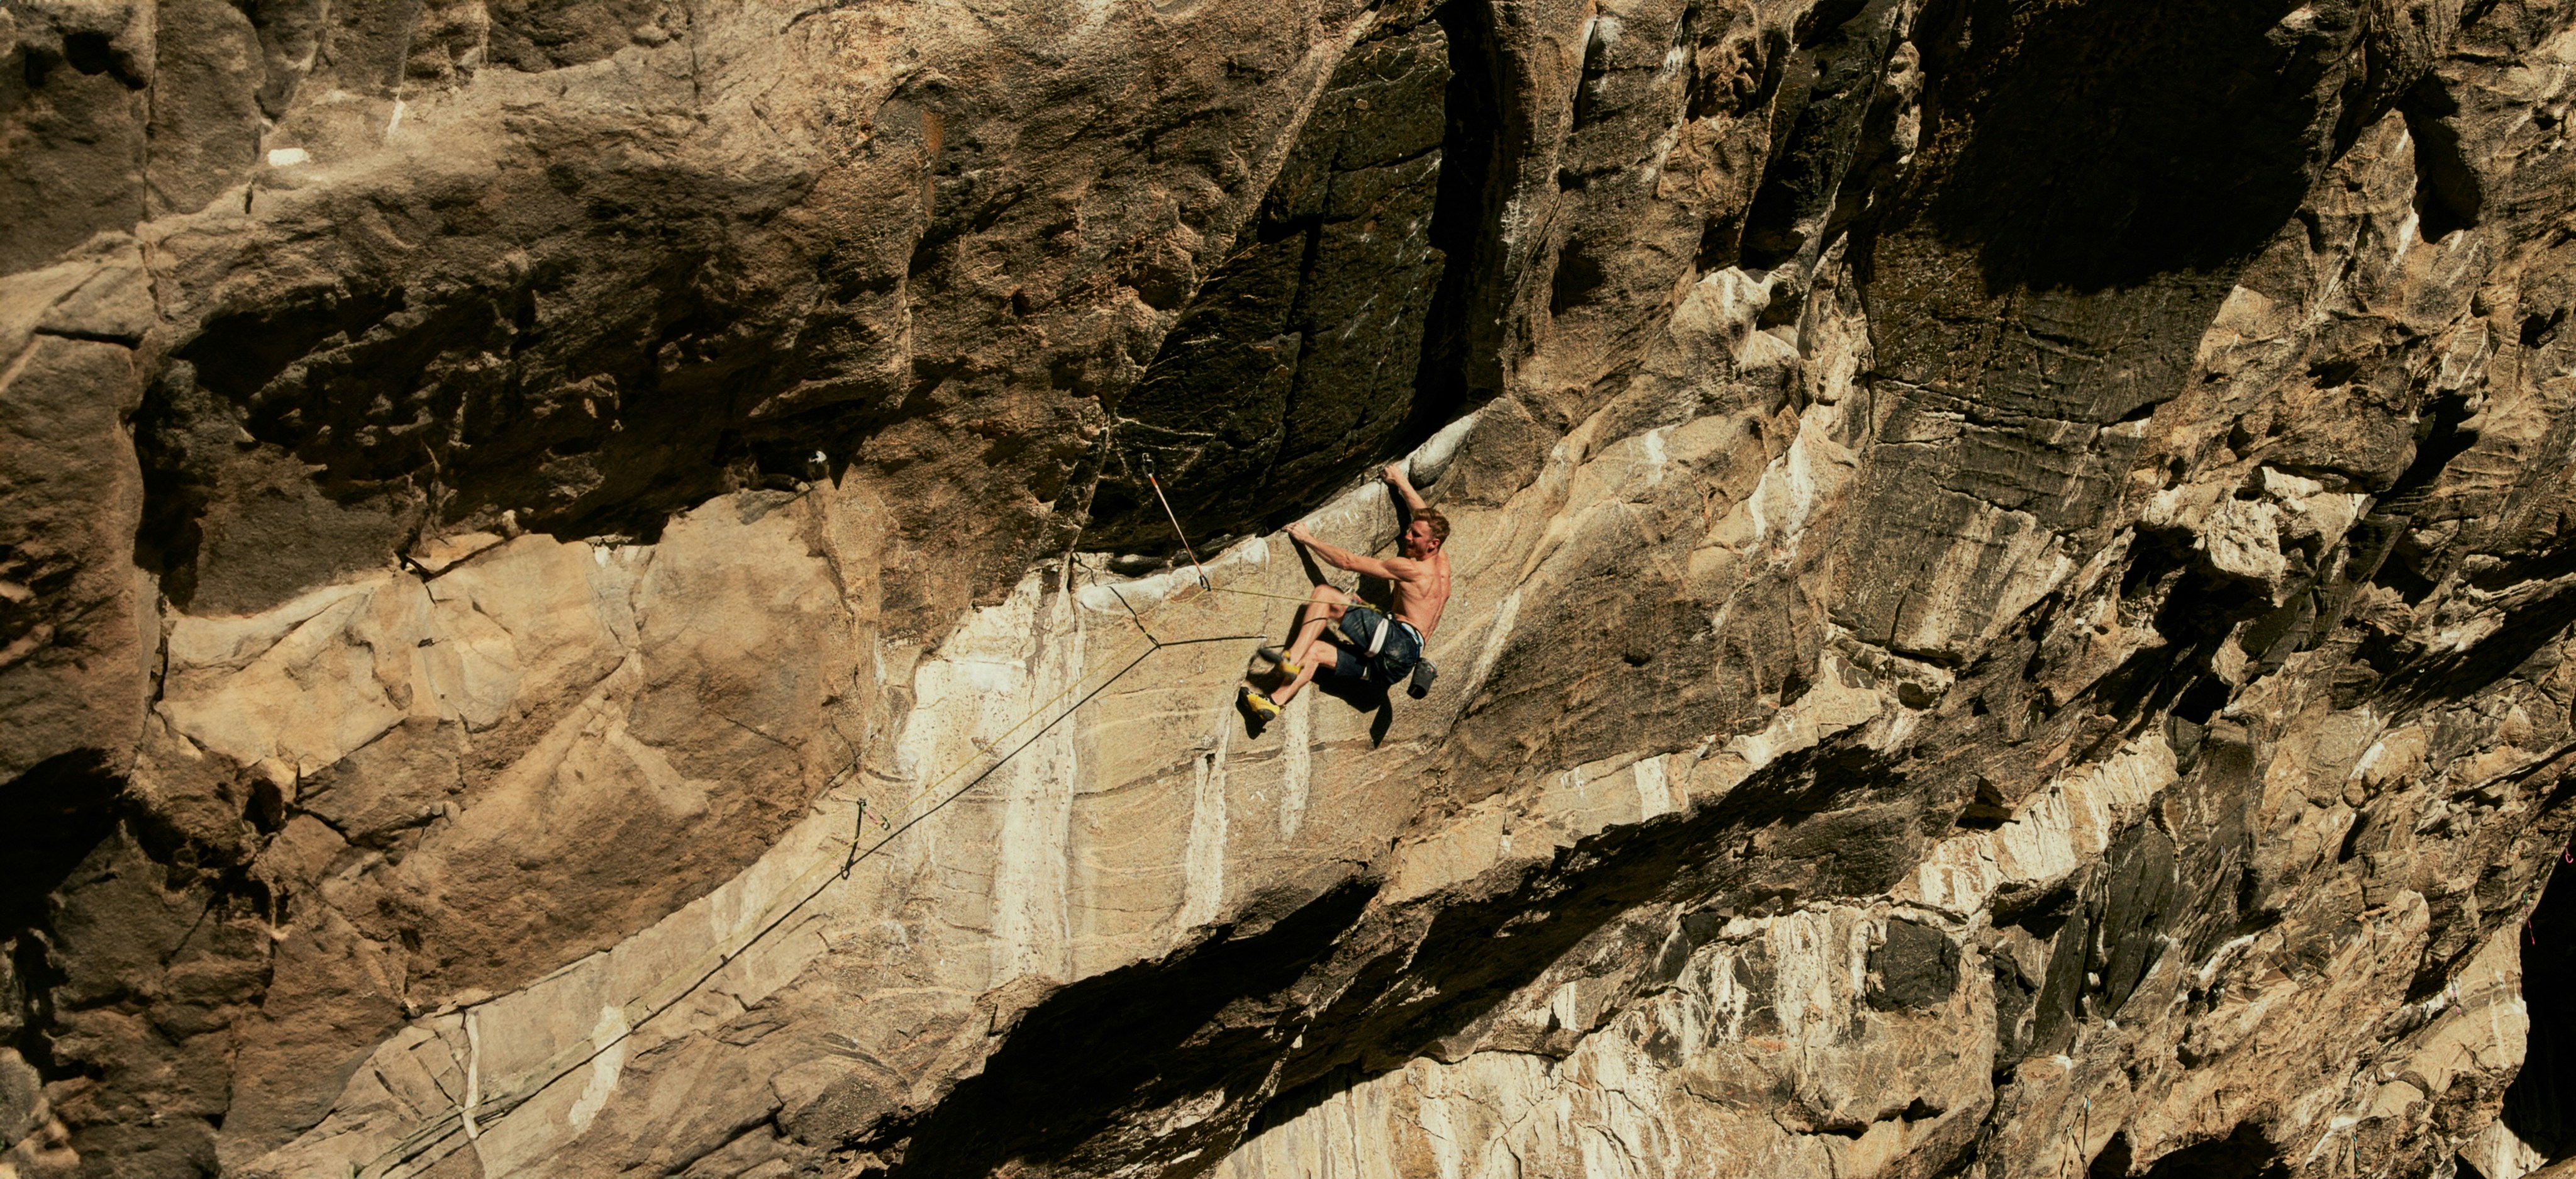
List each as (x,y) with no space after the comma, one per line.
(2538,1105)
(1295,363)
(1915,967)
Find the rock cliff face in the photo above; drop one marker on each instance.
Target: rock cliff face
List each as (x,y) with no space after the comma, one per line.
(577,592)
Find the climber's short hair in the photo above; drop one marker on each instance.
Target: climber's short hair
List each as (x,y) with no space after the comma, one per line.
(1439,523)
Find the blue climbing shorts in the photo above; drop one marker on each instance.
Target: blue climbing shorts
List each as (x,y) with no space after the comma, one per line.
(1395,657)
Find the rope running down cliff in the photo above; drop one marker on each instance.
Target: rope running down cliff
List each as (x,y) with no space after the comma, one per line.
(807,887)
(812,884)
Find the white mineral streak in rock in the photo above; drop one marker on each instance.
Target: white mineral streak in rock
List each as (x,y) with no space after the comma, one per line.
(1431,459)
(2056,831)
(1497,637)
(1240,564)
(1654,791)
(1297,763)
(1205,890)
(2245,316)
(2001,563)
(1832,706)
(1792,488)
(2076,817)
(2482,1028)
(1725,305)
(604,1069)
(1032,924)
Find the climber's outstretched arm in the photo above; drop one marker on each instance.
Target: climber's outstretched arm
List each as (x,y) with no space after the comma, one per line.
(1388,569)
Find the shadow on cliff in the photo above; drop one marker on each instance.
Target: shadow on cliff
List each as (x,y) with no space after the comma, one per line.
(1139,1038)
(1324,344)
(58,811)
(2540,1107)
(2101,145)
(1817,824)
(1194,1053)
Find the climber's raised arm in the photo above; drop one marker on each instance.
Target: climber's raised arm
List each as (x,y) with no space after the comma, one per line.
(1395,477)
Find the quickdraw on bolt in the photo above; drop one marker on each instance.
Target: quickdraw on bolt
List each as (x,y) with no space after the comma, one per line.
(1168,514)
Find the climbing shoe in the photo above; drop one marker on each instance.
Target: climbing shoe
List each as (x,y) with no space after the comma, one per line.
(1280,658)
(1259,704)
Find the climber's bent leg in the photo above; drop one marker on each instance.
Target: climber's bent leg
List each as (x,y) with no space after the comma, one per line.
(1325,657)
(1308,652)
(1323,608)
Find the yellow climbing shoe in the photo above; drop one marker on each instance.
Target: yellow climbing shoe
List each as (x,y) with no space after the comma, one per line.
(1279,657)
(1259,704)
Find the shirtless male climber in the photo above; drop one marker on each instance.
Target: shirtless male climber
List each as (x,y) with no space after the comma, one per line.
(1370,644)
